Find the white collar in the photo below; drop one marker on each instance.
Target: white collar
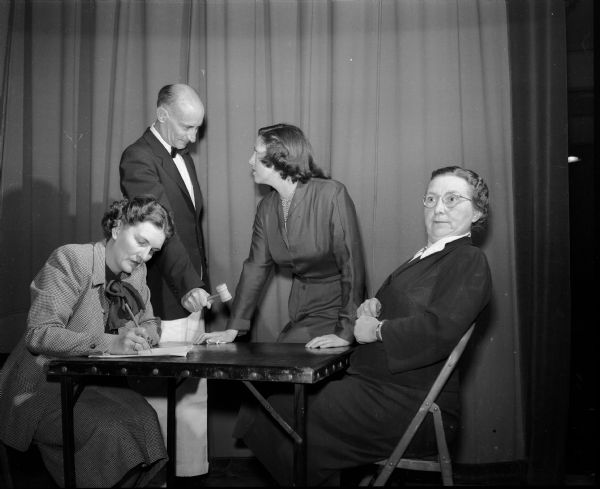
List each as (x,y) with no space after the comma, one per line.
(159,137)
(439,245)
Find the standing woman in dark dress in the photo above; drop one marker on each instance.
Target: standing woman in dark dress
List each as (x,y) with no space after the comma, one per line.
(406,333)
(77,309)
(307,223)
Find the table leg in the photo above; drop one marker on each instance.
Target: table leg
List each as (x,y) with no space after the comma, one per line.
(300,428)
(297,432)
(274,414)
(171,430)
(66,395)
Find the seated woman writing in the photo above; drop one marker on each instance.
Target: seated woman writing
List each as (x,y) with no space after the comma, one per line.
(405,334)
(81,303)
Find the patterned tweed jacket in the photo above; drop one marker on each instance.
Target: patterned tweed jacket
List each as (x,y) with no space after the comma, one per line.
(66,318)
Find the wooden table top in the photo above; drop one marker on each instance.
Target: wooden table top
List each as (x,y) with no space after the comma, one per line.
(272,362)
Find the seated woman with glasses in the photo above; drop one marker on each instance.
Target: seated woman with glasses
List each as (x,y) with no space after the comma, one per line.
(83,302)
(405,334)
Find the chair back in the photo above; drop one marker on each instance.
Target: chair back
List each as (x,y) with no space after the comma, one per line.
(428,405)
(448,367)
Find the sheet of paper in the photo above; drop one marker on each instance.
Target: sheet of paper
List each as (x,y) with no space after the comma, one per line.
(177,338)
(167,351)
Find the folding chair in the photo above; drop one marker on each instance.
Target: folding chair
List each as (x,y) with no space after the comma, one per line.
(441,462)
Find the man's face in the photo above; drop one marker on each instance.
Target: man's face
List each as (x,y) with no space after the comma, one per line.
(179,123)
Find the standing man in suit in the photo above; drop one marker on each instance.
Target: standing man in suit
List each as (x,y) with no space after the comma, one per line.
(159,164)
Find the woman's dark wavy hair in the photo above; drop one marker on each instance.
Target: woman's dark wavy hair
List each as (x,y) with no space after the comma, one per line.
(480,190)
(143,208)
(289,152)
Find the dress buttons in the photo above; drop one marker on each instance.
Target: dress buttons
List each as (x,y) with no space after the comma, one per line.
(93,345)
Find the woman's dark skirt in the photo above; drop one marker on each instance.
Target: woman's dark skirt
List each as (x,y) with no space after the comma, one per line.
(351,421)
(116,433)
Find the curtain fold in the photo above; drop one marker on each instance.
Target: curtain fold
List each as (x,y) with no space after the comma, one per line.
(386,90)
(6,23)
(539,91)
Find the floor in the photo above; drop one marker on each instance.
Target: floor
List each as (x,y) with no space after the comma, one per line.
(28,473)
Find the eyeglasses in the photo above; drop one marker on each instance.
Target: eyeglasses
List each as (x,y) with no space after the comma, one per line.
(450,200)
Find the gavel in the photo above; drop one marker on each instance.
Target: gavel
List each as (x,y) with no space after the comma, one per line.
(222,294)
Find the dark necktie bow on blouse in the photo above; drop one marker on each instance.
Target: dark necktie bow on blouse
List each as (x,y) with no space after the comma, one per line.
(175,151)
(121,294)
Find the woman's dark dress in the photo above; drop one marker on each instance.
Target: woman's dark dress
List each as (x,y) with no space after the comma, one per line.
(321,246)
(428,305)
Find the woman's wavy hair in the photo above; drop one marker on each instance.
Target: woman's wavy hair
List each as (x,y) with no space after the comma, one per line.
(480,190)
(143,208)
(289,152)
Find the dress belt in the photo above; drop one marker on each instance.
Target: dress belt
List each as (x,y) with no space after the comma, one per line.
(318,280)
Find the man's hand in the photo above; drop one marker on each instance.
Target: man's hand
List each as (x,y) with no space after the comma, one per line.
(195,300)
(370,307)
(364,329)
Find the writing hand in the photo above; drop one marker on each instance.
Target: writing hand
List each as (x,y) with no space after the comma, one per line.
(128,341)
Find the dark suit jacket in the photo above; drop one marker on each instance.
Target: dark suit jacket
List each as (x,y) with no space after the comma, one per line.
(427,306)
(147,168)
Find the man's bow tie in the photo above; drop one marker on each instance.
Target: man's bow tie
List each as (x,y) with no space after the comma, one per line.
(175,150)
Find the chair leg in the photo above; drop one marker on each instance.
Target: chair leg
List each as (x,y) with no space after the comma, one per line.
(367,480)
(5,467)
(443,452)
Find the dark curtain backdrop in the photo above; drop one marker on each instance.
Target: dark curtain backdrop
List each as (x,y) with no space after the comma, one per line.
(386,90)
(539,101)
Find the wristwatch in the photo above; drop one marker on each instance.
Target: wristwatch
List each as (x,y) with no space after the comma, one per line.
(378,331)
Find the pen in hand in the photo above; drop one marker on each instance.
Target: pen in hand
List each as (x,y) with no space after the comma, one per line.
(137,325)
